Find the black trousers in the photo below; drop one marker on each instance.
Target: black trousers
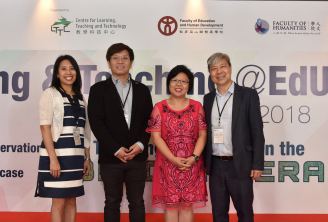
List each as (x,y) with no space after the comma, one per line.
(133,174)
(224,183)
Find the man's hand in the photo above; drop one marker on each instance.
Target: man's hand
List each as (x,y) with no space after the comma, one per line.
(133,151)
(255,174)
(121,155)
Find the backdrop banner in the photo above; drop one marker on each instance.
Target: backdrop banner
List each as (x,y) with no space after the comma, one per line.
(278,48)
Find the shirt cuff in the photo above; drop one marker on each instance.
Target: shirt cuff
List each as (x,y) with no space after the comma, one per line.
(140,145)
(115,154)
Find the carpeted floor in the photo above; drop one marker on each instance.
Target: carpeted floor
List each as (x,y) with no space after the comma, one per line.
(98,217)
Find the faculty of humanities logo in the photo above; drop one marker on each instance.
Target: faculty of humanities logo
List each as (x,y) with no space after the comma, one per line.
(261,26)
(63,22)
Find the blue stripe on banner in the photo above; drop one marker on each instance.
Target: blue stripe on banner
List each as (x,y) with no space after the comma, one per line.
(66,162)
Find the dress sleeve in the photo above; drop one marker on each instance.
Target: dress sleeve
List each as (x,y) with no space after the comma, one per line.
(201,119)
(46,108)
(154,123)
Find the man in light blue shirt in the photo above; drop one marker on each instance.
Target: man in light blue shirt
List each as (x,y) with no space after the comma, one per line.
(234,153)
(225,148)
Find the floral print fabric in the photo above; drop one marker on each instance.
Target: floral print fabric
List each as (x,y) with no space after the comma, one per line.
(173,188)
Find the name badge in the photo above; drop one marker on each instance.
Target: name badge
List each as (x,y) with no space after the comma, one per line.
(218,135)
(77,136)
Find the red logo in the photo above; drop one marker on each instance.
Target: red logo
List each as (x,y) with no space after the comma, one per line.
(167,25)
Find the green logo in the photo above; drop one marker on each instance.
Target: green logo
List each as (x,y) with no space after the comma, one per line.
(56,26)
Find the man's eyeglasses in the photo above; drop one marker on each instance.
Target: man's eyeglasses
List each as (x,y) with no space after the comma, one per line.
(183,82)
(123,58)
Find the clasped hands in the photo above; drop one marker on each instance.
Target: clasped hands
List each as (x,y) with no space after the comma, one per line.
(184,163)
(128,154)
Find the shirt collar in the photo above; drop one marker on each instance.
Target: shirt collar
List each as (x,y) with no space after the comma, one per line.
(230,90)
(116,81)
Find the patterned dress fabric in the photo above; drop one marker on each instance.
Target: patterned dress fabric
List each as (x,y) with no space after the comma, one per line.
(173,188)
(70,157)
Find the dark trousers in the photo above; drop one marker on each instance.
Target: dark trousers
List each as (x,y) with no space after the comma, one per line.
(224,183)
(133,174)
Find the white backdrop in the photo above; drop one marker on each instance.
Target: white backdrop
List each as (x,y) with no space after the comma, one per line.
(287,65)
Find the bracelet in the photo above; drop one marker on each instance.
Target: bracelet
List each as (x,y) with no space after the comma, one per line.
(87,159)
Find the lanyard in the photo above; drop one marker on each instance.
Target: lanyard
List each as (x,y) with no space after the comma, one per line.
(220,113)
(76,108)
(123,104)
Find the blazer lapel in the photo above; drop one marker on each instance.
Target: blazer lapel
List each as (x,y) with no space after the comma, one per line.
(135,100)
(210,103)
(208,114)
(235,105)
(116,97)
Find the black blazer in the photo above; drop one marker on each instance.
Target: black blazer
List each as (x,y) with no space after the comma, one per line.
(108,123)
(247,131)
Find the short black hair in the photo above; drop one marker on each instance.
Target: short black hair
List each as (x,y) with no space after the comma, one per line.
(77,85)
(178,69)
(118,47)
(217,57)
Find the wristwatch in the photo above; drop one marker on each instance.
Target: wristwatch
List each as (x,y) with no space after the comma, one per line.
(196,157)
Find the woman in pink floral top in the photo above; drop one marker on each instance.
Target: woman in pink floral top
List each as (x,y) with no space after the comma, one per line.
(178,129)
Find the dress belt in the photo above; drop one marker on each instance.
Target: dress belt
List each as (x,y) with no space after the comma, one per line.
(225,158)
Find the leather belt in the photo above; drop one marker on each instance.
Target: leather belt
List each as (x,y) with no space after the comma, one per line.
(225,158)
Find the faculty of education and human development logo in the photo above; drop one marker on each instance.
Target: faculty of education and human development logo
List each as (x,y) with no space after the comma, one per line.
(167,25)
(63,22)
(261,26)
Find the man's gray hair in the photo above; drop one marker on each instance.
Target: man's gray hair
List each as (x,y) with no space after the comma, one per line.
(217,57)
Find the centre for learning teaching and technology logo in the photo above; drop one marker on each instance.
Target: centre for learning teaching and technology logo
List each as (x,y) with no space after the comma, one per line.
(57,25)
(167,25)
(261,26)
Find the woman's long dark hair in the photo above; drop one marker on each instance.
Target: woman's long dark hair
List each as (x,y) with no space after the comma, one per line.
(77,85)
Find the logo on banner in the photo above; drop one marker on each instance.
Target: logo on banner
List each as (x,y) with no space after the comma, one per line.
(167,25)
(56,27)
(302,27)
(261,26)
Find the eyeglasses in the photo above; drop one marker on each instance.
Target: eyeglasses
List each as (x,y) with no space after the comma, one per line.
(123,58)
(175,81)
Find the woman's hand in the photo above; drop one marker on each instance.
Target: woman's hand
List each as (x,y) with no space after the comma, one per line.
(55,168)
(191,160)
(181,163)
(86,168)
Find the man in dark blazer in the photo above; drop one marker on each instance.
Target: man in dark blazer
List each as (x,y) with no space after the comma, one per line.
(119,109)
(234,153)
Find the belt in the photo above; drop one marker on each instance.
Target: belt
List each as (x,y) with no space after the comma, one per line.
(225,158)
